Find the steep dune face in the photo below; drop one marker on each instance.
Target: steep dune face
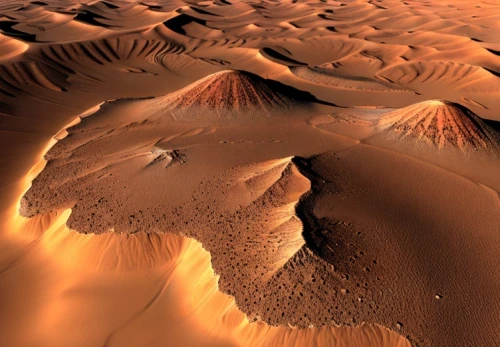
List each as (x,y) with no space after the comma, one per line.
(326,76)
(110,51)
(442,124)
(25,74)
(231,96)
(10,48)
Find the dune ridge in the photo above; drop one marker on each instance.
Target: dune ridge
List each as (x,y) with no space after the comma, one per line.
(329,77)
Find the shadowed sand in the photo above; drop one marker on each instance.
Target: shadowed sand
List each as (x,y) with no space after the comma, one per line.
(249,173)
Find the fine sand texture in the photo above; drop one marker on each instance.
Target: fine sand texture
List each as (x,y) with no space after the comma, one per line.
(249,173)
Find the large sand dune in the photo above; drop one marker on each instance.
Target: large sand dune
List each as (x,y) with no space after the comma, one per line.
(442,124)
(249,173)
(227,97)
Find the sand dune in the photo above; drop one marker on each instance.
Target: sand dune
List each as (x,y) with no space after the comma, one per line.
(11,48)
(229,97)
(329,77)
(442,124)
(249,173)
(431,53)
(31,74)
(438,73)
(109,51)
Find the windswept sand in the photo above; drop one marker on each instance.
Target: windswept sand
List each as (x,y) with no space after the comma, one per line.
(247,173)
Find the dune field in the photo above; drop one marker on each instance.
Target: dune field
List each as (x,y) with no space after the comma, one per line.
(249,173)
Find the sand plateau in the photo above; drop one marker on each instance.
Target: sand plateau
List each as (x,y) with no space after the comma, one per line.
(442,124)
(224,173)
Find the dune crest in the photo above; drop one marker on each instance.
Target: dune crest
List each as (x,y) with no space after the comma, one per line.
(441,123)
